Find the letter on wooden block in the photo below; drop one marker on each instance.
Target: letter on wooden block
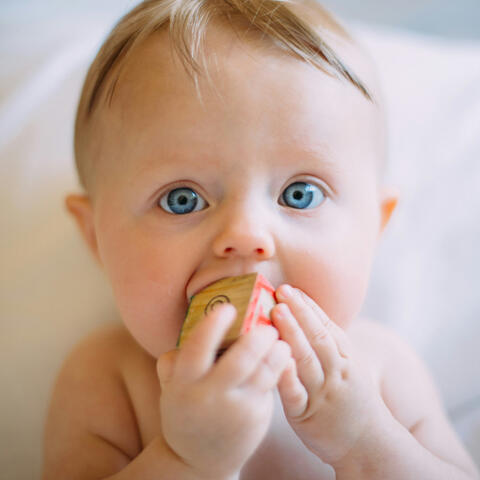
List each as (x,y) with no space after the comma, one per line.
(252,295)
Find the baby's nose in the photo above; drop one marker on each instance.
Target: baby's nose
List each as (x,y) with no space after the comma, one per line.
(244,239)
(257,251)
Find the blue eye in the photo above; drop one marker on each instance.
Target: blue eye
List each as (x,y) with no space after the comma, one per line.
(303,195)
(181,201)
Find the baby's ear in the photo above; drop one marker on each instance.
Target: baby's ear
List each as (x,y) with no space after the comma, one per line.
(388,202)
(80,207)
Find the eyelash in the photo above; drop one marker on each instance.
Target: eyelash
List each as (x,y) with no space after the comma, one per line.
(162,202)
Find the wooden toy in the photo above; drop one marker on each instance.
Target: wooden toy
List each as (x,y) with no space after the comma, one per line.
(252,295)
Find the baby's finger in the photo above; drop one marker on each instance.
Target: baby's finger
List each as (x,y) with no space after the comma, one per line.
(315,330)
(270,369)
(292,392)
(198,353)
(241,360)
(310,370)
(338,334)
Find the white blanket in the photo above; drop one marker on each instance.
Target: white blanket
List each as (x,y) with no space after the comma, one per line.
(426,280)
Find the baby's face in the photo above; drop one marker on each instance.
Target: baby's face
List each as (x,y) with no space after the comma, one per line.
(276,174)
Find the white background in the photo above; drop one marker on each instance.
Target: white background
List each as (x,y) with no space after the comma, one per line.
(426,283)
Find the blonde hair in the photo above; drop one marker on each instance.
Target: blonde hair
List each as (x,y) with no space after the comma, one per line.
(291,25)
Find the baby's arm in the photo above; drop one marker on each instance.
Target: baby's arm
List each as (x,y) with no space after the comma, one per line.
(416,440)
(92,432)
(338,413)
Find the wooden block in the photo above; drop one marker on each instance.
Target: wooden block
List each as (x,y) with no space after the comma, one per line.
(252,295)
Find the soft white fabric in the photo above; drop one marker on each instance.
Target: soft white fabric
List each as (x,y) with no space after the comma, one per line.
(426,280)
(425,283)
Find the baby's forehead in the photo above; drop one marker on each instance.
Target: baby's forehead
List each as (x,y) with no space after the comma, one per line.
(236,52)
(339,55)
(239,75)
(256,94)
(152,62)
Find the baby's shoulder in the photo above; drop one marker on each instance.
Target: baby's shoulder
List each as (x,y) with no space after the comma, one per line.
(103,357)
(91,393)
(110,346)
(378,340)
(384,346)
(398,369)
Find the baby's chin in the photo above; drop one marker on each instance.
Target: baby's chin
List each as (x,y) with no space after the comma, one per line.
(153,341)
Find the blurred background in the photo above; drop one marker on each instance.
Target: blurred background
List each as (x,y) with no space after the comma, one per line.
(447,18)
(458,19)
(426,282)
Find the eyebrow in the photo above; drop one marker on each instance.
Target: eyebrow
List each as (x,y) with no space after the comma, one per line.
(301,157)
(319,153)
(290,153)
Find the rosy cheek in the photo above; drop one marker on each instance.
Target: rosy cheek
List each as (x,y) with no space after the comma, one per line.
(334,277)
(152,314)
(149,290)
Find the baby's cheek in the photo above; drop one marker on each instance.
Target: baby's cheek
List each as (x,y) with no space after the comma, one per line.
(153,320)
(347,296)
(151,301)
(337,281)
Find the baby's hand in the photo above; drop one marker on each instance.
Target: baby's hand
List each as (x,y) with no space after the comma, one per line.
(329,400)
(215,414)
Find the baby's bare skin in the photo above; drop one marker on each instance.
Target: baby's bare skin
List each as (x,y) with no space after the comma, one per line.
(127,404)
(109,390)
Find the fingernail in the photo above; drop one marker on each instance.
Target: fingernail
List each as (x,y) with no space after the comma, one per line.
(225,310)
(285,292)
(228,309)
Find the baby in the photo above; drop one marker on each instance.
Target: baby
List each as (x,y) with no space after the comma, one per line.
(217,138)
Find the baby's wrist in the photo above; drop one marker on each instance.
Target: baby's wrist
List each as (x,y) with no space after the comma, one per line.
(365,457)
(170,461)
